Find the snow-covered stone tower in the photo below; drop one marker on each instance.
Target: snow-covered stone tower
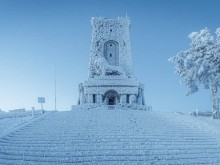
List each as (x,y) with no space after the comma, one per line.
(111,79)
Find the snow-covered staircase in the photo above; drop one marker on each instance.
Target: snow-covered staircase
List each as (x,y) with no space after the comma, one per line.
(113,137)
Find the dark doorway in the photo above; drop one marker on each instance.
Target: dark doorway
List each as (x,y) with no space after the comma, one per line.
(111,97)
(111,100)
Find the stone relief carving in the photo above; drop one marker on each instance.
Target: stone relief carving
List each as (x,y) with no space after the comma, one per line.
(103,68)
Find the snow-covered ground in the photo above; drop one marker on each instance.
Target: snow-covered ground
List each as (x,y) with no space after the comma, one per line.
(9,123)
(113,137)
(9,120)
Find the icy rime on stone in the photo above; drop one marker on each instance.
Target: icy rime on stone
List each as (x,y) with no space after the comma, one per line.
(111,80)
(201,65)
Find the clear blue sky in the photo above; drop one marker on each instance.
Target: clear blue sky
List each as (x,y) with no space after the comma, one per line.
(36,34)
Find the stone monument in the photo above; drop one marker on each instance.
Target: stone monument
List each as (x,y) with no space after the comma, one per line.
(111,79)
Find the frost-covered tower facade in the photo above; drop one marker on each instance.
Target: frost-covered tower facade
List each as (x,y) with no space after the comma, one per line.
(111,79)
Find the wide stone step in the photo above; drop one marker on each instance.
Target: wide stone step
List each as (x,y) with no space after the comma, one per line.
(105,158)
(107,142)
(145,132)
(110,135)
(73,148)
(82,150)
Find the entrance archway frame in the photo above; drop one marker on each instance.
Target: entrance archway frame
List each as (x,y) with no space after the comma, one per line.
(109,94)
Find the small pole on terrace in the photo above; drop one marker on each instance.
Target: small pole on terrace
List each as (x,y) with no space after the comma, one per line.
(55,88)
(33,111)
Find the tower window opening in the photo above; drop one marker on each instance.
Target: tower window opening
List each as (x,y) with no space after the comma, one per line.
(111,52)
(110,30)
(127,98)
(94,98)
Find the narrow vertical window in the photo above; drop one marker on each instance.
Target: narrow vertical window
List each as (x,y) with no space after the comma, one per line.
(94,98)
(127,98)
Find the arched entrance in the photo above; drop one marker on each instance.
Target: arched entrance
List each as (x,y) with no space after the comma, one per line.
(111,97)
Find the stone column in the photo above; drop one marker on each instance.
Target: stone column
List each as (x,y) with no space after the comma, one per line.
(140,98)
(132,99)
(99,99)
(123,99)
(82,98)
(90,98)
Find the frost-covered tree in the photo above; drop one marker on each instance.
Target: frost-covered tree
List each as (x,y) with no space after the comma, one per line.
(200,65)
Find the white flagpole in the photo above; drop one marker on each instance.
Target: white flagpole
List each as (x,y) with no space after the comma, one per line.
(55,88)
